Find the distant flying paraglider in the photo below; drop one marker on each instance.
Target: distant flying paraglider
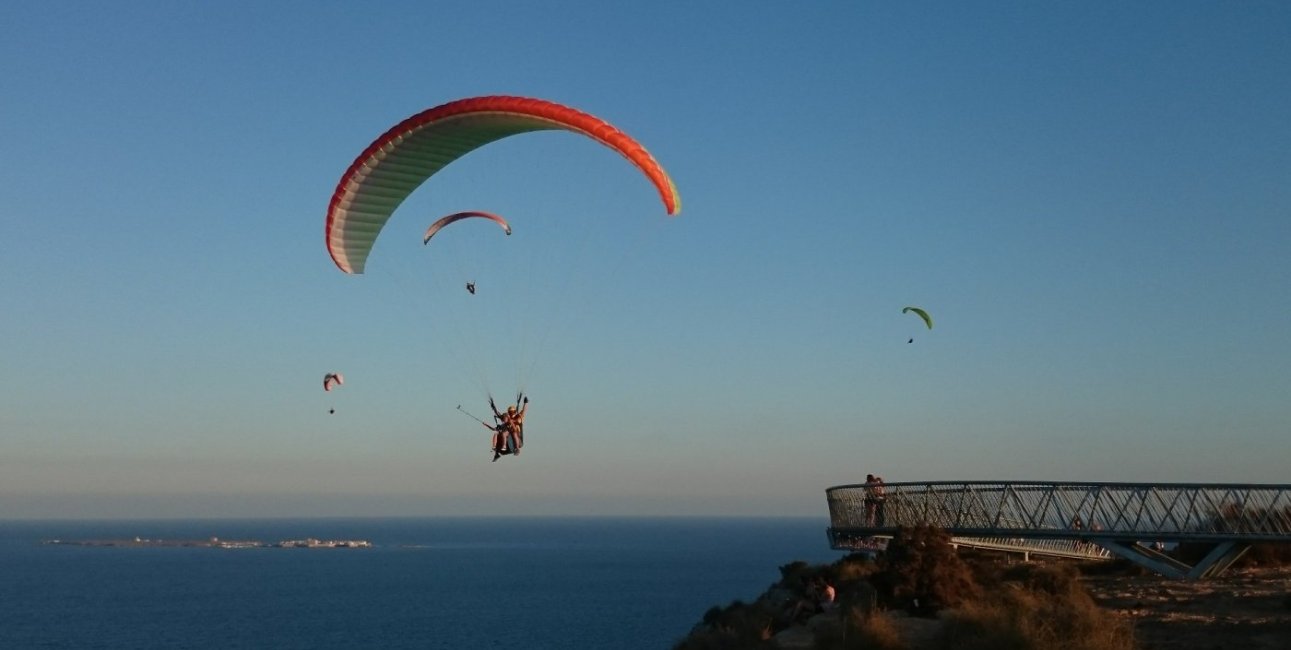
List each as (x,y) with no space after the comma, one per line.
(332,380)
(927,320)
(458,216)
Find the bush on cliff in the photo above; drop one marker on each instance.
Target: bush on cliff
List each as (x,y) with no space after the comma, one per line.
(921,571)
(734,627)
(1035,607)
(996,606)
(867,629)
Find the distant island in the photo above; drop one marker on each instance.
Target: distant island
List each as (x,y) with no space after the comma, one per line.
(215,542)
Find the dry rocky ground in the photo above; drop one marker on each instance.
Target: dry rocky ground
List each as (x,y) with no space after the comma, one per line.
(1247,609)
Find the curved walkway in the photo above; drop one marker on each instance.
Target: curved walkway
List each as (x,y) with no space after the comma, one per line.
(1130,520)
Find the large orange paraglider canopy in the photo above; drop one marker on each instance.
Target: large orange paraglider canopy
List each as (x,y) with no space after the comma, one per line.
(399,161)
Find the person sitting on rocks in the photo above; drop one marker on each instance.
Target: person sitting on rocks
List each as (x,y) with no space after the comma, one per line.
(818,597)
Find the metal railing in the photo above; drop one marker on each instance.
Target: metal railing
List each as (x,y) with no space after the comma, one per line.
(1128,519)
(1172,512)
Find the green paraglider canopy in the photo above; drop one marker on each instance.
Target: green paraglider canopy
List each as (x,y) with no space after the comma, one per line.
(927,320)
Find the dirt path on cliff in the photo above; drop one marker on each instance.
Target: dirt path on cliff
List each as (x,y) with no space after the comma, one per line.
(1248,609)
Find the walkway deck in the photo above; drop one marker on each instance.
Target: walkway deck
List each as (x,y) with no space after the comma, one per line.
(1126,519)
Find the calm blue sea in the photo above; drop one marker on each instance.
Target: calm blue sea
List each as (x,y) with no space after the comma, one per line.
(429,583)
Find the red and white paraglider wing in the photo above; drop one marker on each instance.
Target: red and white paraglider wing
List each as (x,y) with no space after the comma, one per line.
(332,380)
(399,161)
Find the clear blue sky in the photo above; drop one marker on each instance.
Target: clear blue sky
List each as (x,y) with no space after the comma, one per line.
(1093,200)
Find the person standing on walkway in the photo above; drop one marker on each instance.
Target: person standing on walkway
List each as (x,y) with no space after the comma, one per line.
(871,502)
(880,499)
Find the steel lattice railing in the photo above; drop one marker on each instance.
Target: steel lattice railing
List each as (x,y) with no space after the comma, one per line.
(1127,511)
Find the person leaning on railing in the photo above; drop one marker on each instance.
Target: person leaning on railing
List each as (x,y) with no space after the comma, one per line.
(875,496)
(871,500)
(880,500)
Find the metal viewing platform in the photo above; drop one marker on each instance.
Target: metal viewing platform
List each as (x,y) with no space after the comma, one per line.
(1084,520)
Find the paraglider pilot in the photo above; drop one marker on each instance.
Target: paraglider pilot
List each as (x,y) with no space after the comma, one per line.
(508,427)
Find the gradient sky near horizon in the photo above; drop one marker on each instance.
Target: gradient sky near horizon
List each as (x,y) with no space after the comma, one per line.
(1093,200)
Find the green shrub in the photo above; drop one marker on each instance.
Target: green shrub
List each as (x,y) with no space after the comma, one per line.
(853,568)
(796,572)
(1062,580)
(857,595)
(734,627)
(921,570)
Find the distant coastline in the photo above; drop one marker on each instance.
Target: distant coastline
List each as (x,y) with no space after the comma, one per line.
(214,542)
